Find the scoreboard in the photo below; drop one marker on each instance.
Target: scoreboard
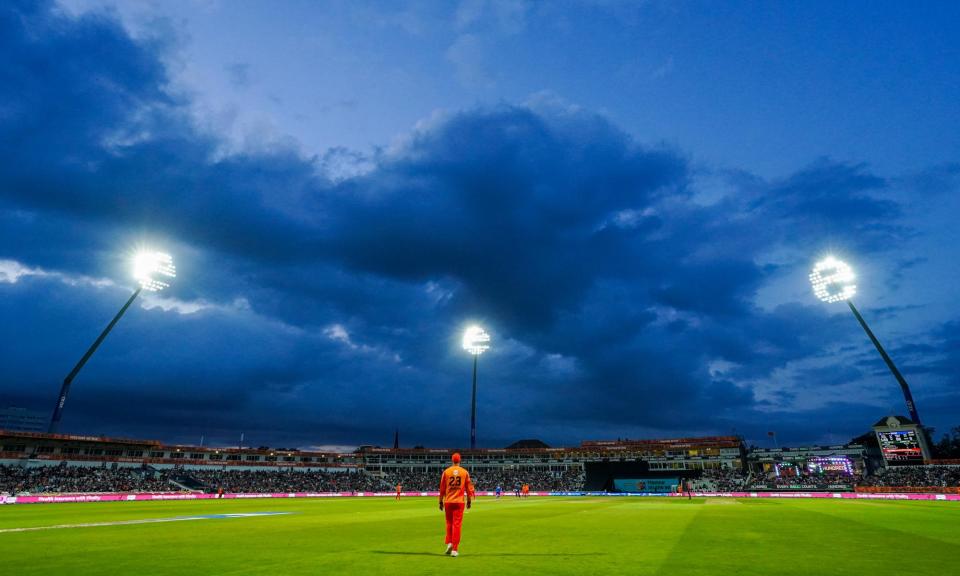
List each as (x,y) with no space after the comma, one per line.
(900,447)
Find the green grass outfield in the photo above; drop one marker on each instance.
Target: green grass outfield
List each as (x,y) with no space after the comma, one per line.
(539,535)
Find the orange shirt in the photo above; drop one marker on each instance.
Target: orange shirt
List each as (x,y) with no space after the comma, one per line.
(454,484)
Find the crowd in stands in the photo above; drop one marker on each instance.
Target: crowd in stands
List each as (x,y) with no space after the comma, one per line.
(727,480)
(487,480)
(723,480)
(63,479)
(921,476)
(569,481)
(817,480)
(264,481)
(812,481)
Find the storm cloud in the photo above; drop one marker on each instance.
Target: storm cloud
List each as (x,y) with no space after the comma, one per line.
(317,308)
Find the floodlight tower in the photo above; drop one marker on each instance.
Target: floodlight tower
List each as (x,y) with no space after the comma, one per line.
(475,341)
(834,281)
(150,269)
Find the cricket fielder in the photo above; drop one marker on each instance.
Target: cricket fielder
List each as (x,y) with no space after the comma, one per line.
(455,491)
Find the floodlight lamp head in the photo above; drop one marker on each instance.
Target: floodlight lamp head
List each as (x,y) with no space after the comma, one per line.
(833,280)
(476,340)
(152,269)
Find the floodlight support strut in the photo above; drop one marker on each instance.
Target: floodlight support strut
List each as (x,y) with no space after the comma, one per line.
(911,406)
(473,406)
(65,388)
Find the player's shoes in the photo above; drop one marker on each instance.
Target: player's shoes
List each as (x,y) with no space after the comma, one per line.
(454,554)
(449,549)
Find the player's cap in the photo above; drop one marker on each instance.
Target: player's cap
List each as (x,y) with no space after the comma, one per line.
(456,458)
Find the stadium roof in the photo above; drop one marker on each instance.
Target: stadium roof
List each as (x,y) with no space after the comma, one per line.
(665,443)
(525,444)
(895,421)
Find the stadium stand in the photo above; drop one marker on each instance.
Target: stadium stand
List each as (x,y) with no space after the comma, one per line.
(73,479)
(916,478)
(268,481)
(721,481)
(487,480)
(38,463)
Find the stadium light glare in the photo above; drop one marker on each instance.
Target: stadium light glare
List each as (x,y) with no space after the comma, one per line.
(476,341)
(151,270)
(833,280)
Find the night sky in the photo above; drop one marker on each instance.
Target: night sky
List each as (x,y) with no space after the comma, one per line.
(628,196)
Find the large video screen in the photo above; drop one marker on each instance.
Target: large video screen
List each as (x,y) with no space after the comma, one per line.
(786,470)
(900,447)
(827,464)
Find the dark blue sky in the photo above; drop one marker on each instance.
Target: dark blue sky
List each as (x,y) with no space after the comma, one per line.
(629,199)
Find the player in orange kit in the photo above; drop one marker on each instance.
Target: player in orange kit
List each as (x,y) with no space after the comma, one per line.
(455,489)
(399,489)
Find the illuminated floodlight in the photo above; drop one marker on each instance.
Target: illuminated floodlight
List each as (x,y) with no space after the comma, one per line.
(476,340)
(152,268)
(833,280)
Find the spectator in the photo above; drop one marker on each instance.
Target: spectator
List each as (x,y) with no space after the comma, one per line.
(915,476)
(63,479)
(487,479)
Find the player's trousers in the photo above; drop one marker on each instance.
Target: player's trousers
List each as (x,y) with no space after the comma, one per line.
(454,514)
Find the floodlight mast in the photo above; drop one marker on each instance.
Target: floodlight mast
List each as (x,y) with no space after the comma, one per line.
(834,281)
(148,266)
(907,396)
(476,342)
